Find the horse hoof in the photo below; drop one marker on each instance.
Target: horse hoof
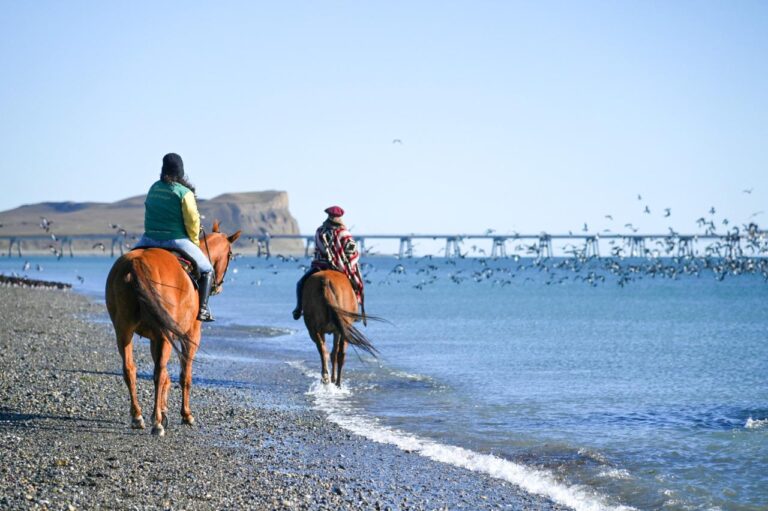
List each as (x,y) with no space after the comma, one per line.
(164,420)
(188,420)
(137,422)
(158,430)
(326,380)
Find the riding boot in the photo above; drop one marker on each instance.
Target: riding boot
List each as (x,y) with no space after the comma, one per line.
(205,284)
(299,288)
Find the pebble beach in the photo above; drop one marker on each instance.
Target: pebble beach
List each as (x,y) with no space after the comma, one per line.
(66,442)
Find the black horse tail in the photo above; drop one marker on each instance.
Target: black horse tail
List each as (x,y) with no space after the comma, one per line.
(155,316)
(348,331)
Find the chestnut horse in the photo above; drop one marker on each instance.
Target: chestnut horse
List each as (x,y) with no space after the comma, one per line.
(330,307)
(148,293)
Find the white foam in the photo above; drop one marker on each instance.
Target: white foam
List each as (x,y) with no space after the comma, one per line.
(321,390)
(756,423)
(332,401)
(615,473)
(410,376)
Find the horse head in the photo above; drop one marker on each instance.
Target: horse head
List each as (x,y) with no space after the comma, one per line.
(218,248)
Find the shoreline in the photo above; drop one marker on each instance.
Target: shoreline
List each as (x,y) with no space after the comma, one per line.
(67,444)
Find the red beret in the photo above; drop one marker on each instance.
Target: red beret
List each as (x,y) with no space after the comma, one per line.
(334,211)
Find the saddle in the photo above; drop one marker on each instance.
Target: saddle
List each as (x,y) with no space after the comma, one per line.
(189,267)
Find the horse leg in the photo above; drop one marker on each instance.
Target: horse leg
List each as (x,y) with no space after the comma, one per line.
(334,353)
(161,353)
(340,356)
(320,343)
(187,356)
(167,352)
(125,346)
(164,400)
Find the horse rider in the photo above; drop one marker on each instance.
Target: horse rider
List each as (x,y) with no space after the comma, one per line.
(335,249)
(171,221)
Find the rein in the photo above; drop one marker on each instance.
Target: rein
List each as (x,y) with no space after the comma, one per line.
(216,285)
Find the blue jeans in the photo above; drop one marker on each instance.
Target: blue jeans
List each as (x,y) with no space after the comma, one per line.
(183,245)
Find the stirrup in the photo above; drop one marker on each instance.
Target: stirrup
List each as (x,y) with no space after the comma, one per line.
(205,316)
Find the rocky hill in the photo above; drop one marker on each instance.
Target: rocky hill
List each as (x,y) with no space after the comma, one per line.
(254,213)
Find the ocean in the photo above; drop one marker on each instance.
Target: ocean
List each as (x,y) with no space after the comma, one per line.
(642,387)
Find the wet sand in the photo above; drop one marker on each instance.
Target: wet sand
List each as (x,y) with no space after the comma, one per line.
(66,442)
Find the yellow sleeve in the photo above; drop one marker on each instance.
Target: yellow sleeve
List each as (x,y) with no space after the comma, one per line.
(191,217)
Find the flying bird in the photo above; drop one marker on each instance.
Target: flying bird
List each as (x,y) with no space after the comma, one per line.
(748,190)
(45,223)
(397,141)
(667,212)
(647,210)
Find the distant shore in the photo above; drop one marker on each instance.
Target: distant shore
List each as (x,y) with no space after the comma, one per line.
(66,442)
(241,247)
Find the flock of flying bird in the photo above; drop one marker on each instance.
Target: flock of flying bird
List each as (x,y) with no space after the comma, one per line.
(736,251)
(724,256)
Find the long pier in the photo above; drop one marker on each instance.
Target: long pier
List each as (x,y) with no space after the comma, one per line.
(539,245)
(631,245)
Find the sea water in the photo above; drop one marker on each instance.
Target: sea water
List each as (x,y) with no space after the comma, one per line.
(647,395)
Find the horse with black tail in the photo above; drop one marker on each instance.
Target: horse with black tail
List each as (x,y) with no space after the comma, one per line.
(149,293)
(330,307)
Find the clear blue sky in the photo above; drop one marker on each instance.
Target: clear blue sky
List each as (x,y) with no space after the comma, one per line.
(523,116)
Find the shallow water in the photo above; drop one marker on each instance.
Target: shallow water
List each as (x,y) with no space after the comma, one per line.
(652,395)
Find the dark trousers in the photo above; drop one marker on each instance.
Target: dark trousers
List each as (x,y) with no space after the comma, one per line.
(300,285)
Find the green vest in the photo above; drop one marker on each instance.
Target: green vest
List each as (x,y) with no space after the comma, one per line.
(163,219)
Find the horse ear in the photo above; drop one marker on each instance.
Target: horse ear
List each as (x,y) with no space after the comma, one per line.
(234,237)
(215,226)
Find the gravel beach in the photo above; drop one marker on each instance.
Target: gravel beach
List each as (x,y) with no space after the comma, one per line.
(66,442)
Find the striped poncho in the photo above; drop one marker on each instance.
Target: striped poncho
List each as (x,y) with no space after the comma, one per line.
(335,249)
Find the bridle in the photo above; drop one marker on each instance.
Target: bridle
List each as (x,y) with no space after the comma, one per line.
(216,287)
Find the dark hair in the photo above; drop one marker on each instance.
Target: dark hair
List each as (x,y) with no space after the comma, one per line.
(181,180)
(173,171)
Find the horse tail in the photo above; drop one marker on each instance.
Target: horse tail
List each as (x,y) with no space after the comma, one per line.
(156,317)
(350,333)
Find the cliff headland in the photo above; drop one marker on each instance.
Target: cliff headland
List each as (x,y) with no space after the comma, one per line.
(255,213)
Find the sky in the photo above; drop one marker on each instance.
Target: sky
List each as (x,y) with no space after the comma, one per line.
(415,117)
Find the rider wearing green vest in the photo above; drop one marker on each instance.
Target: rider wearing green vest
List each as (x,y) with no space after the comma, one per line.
(171,221)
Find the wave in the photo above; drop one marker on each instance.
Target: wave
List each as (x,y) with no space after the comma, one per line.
(333,402)
(246,331)
(755,423)
(411,376)
(615,473)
